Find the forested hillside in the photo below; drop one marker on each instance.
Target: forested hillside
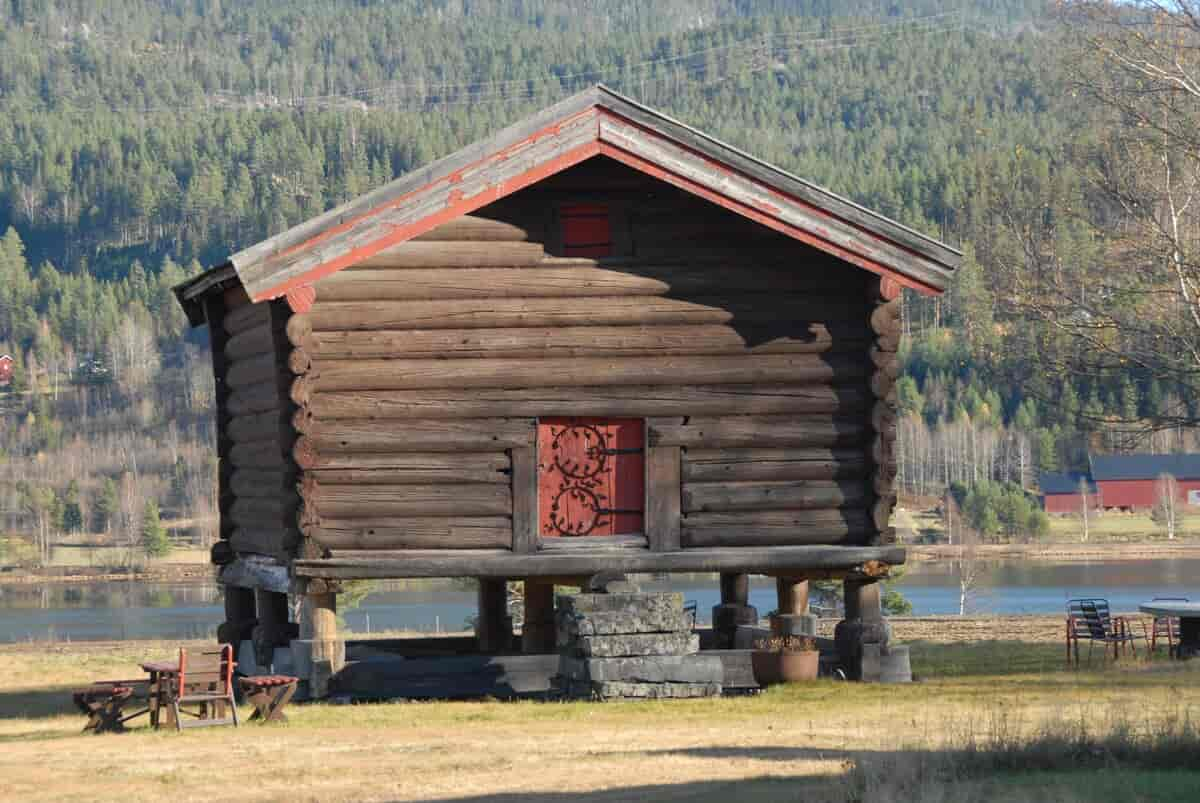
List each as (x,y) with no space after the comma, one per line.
(143,139)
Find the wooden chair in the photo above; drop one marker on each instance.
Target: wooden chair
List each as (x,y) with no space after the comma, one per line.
(1091,620)
(1165,627)
(205,685)
(270,694)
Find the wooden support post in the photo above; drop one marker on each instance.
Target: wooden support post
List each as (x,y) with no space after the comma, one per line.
(538,634)
(272,629)
(793,618)
(240,617)
(318,654)
(864,625)
(734,612)
(493,628)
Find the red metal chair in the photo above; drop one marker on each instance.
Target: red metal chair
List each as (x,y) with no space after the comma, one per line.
(205,684)
(1165,627)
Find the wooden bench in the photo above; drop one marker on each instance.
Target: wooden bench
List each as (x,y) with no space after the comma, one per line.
(104,704)
(270,694)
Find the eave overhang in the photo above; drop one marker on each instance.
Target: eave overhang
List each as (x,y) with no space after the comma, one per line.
(596,122)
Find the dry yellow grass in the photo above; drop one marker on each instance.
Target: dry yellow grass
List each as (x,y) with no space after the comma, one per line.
(787,744)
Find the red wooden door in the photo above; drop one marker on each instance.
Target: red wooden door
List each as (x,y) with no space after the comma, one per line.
(591,476)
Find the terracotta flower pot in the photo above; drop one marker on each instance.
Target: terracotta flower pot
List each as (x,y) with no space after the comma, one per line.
(798,666)
(784,667)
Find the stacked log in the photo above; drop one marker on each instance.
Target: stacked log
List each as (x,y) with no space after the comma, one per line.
(418,375)
(261,503)
(886,295)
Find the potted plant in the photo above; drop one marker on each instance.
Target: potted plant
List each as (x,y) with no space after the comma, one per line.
(785,659)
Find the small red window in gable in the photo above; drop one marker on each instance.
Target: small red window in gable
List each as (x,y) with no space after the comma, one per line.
(586,231)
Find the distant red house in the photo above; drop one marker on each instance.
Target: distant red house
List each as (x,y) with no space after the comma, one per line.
(6,369)
(1122,481)
(1061,492)
(1130,481)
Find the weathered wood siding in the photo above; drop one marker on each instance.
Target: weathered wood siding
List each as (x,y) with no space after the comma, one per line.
(756,361)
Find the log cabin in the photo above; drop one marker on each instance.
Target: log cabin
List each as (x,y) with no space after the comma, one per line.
(600,341)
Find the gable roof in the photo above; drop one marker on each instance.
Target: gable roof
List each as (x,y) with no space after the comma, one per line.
(1066,483)
(1145,466)
(594,122)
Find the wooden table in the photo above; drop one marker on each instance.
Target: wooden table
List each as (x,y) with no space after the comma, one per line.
(162,685)
(1189,623)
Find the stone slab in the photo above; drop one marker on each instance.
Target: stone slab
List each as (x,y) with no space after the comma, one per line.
(630,621)
(647,669)
(634,645)
(616,690)
(646,602)
(886,664)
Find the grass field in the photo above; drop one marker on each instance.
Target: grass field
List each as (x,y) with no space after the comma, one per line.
(988,721)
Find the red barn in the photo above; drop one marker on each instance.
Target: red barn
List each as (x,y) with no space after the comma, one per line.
(6,369)
(1061,492)
(1130,481)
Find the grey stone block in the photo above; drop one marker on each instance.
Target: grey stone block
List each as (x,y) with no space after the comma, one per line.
(886,664)
(632,620)
(647,669)
(634,645)
(647,602)
(617,690)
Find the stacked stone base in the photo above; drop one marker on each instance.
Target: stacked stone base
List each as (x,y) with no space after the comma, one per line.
(631,646)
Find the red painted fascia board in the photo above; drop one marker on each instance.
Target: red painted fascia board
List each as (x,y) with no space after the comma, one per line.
(463,206)
(761,216)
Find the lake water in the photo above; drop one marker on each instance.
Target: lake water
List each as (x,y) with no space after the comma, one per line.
(91,611)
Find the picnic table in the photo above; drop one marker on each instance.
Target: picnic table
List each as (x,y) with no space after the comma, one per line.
(162,682)
(1188,614)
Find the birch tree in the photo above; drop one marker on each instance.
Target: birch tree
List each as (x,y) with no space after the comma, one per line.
(1166,504)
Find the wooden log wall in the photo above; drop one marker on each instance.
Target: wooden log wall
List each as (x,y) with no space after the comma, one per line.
(418,375)
(260,502)
(886,296)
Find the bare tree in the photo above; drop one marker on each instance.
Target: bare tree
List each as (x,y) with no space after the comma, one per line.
(1166,504)
(1084,513)
(1115,270)
(969,570)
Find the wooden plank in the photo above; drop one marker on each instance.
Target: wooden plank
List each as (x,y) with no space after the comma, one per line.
(404,469)
(551,279)
(663,497)
(632,401)
(453,254)
(776,528)
(572,372)
(255,399)
(538,312)
(480,228)
(716,465)
(755,431)
(249,343)
(501,563)
(463,435)
(525,496)
(704,497)
(630,541)
(454,532)
(374,501)
(784,337)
